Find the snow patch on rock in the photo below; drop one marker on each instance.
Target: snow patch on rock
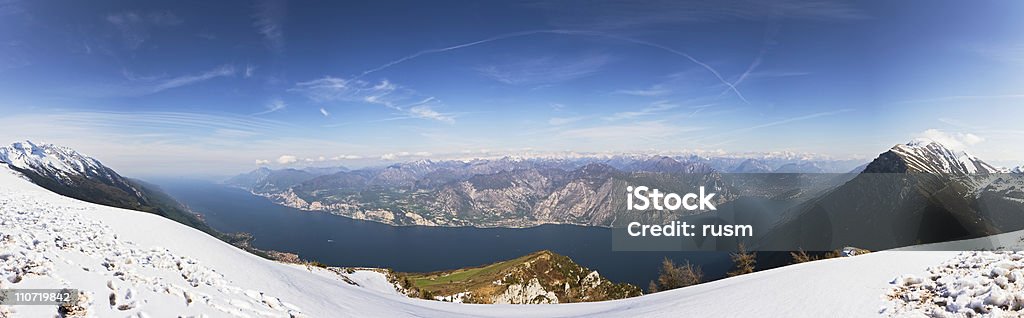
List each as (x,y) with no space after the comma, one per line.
(973,284)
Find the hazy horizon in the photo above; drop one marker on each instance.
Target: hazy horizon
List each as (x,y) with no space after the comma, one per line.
(222,88)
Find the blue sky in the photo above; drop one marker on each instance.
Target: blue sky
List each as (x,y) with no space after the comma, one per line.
(221,86)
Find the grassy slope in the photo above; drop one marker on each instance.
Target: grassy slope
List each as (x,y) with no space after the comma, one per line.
(454,281)
(553,272)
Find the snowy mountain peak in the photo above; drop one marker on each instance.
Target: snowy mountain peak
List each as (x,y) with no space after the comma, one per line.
(62,164)
(1018,169)
(928,156)
(921,142)
(49,159)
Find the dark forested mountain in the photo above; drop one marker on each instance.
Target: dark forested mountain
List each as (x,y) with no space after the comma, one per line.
(913,193)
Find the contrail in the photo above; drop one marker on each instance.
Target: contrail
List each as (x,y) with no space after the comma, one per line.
(445,49)
(683,54)
(769,39)
(772,124)
(562,32)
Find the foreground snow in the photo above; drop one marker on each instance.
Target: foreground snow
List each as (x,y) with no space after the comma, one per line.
(972,284)
(986,280)
(133,263)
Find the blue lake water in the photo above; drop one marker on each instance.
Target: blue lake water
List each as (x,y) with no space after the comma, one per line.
(341,241)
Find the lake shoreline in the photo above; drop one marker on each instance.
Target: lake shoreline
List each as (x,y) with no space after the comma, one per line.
(337,240)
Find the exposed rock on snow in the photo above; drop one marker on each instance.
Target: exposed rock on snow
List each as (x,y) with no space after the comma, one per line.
(530,293)
(986,284)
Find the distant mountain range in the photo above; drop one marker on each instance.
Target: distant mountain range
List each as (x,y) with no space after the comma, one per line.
(912,193)
(917,192)
(517,192)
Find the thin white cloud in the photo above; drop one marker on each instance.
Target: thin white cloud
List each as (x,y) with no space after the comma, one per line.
(221,71)
(346,157)
(955,141)
(250,70)
(329,89)
(654,90)
(272,106)
(424,111)
(654,109)
(269,22)
(287,159)
(384,93)
(317,159)
(404,154)
(136,85)
(262,162)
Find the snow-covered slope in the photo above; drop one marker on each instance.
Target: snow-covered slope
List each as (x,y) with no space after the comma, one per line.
(927,156)
(130,262)
(923,155)
(53,161)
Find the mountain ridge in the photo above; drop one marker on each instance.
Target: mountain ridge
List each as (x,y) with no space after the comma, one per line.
(928,156)
(921,191)
(66,172)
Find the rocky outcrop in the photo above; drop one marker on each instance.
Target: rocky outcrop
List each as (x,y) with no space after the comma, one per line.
(530,293)
(538,278)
